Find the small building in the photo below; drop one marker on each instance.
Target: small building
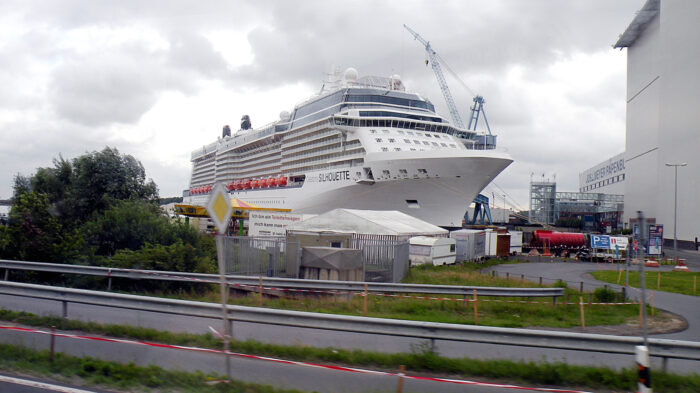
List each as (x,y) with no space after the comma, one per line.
(432,250)
(471,244)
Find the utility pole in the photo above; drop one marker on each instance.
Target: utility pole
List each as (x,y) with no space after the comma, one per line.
(675,204)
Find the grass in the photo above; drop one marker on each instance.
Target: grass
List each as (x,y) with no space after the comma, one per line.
(491,311)
(421,359)
(676,282)
(95,372)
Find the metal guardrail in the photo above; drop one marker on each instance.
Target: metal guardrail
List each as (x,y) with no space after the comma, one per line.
(288,283)
(378,326)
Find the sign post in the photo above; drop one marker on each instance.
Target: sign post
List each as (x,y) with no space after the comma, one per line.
(219,209)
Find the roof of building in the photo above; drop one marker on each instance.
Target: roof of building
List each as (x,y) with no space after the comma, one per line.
(368,222)
(638,24)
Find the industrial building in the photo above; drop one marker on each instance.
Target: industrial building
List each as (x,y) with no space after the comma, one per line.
(597,211)
(663,122)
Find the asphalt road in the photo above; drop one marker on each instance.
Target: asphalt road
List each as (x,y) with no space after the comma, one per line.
(21,384)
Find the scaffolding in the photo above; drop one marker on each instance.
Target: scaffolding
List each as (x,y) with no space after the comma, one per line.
(542,202)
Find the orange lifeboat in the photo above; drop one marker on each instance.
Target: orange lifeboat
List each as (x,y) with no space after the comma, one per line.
(270,182)
(254,184)
(281,181)
(236,185)
(246,184)
(229,186)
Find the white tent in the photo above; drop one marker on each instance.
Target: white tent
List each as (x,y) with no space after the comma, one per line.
(367,222)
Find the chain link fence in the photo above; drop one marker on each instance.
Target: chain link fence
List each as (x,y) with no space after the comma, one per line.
(261,256)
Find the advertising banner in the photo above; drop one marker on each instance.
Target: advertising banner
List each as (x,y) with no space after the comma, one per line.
(271,223)
(656,239)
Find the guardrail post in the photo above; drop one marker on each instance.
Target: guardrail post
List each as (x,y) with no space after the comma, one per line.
(364,301)
(7,275)
(64,310)
(109,279)
(476,309)
(507,275)
(554,301)
(540,281)
(580,287)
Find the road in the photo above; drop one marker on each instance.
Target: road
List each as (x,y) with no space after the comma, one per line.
(21,384)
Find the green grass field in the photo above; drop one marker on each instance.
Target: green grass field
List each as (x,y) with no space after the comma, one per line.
(502,312)
(677,282)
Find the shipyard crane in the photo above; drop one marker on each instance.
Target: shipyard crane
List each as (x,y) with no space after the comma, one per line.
(435,62)
(433,59)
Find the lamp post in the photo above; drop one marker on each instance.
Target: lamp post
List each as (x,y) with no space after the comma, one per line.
(675,203)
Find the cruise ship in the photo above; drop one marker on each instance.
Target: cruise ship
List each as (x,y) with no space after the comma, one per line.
(362,143)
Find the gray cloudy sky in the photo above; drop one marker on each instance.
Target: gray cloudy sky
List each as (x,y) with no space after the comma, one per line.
(157,79)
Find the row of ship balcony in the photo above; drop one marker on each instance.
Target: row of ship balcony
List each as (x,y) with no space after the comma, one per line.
(246,184)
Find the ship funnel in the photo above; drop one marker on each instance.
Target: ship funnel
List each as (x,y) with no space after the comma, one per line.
(245,123)
(226,132)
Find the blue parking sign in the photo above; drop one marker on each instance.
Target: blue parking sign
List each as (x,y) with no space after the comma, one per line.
(600,241)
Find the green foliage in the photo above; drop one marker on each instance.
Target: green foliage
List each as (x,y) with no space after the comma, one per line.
(93,208)
(604,295)
(570,222)
(559,284)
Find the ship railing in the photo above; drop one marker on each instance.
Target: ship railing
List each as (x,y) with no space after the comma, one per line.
(308,138)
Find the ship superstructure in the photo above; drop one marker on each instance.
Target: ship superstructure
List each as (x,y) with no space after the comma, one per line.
(363,143)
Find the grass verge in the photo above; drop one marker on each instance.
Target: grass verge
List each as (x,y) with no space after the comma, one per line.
(676,282)
(94,372)
(420,360)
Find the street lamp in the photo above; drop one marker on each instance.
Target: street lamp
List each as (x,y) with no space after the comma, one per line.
(675,203)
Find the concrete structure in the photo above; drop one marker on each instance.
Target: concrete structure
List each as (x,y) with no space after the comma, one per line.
(663,120)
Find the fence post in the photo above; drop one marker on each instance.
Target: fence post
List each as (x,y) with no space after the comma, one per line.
(53,342)
(64,309)
(7,274)
(522,277)
(651,302)
(580,287)
(540,280)
(476,309)
(507,275)
(658,281)
(583,318)
(402,372)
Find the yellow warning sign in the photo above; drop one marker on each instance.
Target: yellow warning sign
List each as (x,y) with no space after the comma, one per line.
(219,208)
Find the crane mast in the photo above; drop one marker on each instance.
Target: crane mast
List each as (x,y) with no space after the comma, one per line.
(435,64)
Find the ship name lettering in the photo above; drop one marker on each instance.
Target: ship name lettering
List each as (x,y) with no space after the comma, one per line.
(334,176)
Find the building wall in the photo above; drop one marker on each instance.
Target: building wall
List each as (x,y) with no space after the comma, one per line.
(607,177)
(663,119)
(679,137)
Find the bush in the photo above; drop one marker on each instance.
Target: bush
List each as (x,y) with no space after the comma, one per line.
(604,295)
(560,284)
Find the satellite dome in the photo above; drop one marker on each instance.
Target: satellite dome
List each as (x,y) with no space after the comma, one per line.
(396,83)
(284,115)
(351,75)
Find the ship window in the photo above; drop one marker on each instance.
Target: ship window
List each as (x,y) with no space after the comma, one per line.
(434,143)
(392,140)
(385,131)
(386,172)
(453,145)
(423,171)
(416,141)
(403,171)
(437,136)
(426,143)
(401,132)
(413,149)
(428,135)
(397,148)
(407,140)
(413,203)
(443,144)
(385,149)
(409,132)
(373,131)
(378,139)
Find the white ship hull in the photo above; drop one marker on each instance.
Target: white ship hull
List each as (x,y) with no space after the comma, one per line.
(434,186)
